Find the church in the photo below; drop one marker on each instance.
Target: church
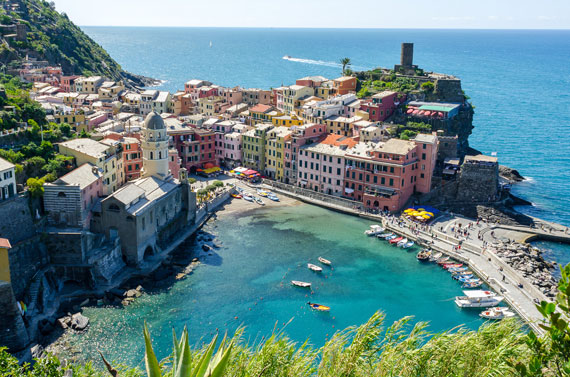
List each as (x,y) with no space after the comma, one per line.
(147,212)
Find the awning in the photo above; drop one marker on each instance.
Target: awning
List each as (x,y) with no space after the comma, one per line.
(250,172)
(303,182)
(241,169)
(348,190)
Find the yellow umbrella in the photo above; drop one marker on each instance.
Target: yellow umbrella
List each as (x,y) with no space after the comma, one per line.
(429,213)
(426,216)
(421,209)
(408,210)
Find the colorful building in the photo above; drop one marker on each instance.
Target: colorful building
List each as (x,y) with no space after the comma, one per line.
(287,120)
(253,146)
(292,95)
(7,179)
(275,152)
(345,84)
(380,106)
(301,135)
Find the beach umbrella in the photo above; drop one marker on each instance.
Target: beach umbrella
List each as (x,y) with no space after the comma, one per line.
(419,218)
(429,213)
(426,216)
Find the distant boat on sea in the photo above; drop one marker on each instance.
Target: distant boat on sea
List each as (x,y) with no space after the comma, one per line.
(210,43)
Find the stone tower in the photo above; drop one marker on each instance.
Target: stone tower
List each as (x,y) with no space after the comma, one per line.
(154,144)
(407,55)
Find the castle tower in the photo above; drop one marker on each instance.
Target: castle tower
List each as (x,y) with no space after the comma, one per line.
(407,55)
(154,144)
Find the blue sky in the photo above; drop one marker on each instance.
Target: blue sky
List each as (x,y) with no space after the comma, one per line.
(467,14)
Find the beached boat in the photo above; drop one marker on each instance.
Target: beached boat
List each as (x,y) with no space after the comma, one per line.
(262,192)
(435,257)
(424,255)
(478,299)
(325,261)
(396,240)
(402,242)
(472,284)
(258,201)
(237,196)
(273,197)
(314,267)
(374,230)
(442,260)
(384,235)
(408,244)
(302,284)
(319,307)
(497,313)
(247,197)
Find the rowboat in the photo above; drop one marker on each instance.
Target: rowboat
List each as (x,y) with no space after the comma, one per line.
(273,197)
(302,284)
(402,242)
(396,240)
(258,201)
(262,192)
(408,244)
(462,275)
(324,261)
(319,307)
(384,235)
(247,197)
(435,257)
(443,260)
(457,269)
(374,230)
(314,267)
(473,284)
(237,196)
(451,265)
(424,255)
(390,238)
(497,313)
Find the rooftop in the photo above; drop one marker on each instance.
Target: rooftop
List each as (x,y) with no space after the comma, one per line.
(87,146)
(425,138)
(396,146)
(5,165)
(481,158)
(137,195)
(83,176)
(261,108)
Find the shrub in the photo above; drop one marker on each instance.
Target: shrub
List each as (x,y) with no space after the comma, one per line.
(36,187)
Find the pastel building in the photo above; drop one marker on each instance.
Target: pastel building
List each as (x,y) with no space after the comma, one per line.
(275,152)
(254,96)
(161,104)
(232,96)
(68,200)
(253,148)
(147,100)
(292,95)
(380,106)
(345,84)
(334,106)
(340,125)
(7,179)
(301,135)
(232,154)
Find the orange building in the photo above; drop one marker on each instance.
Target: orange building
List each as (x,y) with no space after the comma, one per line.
(345,84)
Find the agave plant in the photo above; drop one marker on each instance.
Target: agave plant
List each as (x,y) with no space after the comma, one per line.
(183,365)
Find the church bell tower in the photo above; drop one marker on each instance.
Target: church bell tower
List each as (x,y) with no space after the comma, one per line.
(154,144)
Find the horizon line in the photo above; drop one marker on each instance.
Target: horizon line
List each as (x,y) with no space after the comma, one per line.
(326,28)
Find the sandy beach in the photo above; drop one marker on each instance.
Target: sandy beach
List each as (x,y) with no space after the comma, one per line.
(239,205)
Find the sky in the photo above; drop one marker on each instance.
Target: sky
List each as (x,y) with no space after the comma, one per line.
(444,14)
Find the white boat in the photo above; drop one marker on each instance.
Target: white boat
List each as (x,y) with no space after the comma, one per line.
(314,267)
(247,197)
(384,235)
(435,257)
(210,43)
(374,230)
(324,261)
(402,242)
(496,313)
(478,299)
(258,201)
(408,245)
(302,284)
(286,57)
(273,197)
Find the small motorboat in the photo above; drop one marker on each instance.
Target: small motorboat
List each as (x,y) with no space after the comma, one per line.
(497,313)
(384,235)
(273,197)
(247,197)
(324,261)
(424,255)
(457,269)
(374,230)
(390,238)
(314,267)
(478,299)
(302,284)
(472,284)
(435,257)
(396,240)
(237,196)
(408,244)
(442,260)
(319,307)
(262,192)
(467,279)
(287,57)
(452,265)
(258,201)
(402,242)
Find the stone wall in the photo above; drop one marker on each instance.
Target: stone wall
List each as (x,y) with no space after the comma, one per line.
(21,225)
(449,90)
(26,258)
(13,333)
(478,183)
(447,147)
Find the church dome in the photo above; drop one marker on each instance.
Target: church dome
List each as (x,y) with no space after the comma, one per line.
(154,121)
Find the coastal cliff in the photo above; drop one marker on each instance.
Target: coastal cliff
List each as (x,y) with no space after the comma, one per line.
(33,29)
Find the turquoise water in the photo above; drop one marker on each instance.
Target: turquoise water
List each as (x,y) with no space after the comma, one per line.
(517,79)
(247,282)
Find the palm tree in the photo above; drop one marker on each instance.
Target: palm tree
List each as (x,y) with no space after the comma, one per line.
(345,62)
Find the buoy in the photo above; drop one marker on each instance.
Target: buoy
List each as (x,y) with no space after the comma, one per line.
(236,317)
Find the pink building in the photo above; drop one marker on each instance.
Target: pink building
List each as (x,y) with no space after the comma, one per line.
(132,153)
(68,83)
(174,162)
(302,135)
(221,128)
(189,86)
(231,96)
(311,81)
(381,105)
(232,154)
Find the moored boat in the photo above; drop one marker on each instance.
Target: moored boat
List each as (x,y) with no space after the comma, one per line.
(374,230)
(442,260)
(314,267)
(408,244)
(384,235)
(472,284)
(497,313)
(396,240)
(273,197)
(247,197)
(319,307)
(302,284)
(435,257)
(390,238)
(452,265)
(478,299)
(325,261)
(456,269)
(424,255)
(402,242)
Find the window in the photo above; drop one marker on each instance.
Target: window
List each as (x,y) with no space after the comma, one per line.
(424,146)
(422,175)
(391,182)
(391,169)
(423,156)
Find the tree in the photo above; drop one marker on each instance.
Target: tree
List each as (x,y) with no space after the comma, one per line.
(428,86)
(345,62)
(36,187)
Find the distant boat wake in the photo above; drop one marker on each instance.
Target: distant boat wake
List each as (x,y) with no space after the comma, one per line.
(317,62)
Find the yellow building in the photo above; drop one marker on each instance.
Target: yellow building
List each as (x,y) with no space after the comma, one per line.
(4,259)
(76,120)
(293,94)
(109,90)
(210,105)
(287,121)
(275,151)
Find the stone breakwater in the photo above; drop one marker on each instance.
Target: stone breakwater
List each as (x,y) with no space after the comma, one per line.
(528,261)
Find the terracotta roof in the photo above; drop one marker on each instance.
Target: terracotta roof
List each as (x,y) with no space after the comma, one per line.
(338,140)
(261,108)
(4,243)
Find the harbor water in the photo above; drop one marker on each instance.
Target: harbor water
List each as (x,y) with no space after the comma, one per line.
(247,282)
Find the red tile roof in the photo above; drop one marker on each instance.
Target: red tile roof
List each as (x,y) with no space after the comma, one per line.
(261,108)
(337,140)
(4,243)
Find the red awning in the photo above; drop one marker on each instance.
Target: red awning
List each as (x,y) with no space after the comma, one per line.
(427,113)
(208,165)
(410,111)
(440,114)
(250,172)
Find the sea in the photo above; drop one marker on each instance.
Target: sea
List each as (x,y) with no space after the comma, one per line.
(518,81)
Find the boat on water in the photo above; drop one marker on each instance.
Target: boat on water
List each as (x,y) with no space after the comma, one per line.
(319,307)
(452,265)
(287,57)
(457,269)
(273,197)
(463,275)
(402,242)
(374,230)
(424,255)
(390,238)
(302,284)
(237,196)
(497,313)
(472,284)
(396,240)
(384,235)
(442,260)
(247,197)
(258,201)
(467,279)
(435,257)
(478,299)
(325,261)
(408,244)
(314,267)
